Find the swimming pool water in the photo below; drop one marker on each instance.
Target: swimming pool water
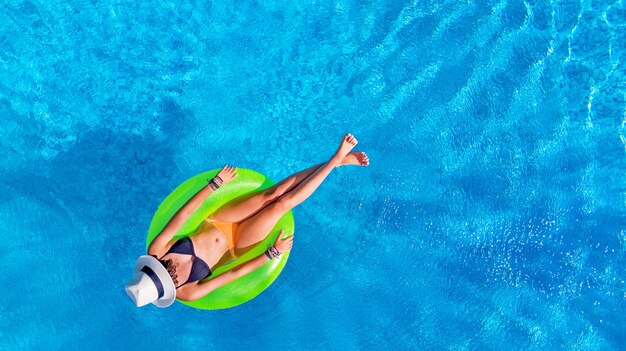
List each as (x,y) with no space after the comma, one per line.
(491,217)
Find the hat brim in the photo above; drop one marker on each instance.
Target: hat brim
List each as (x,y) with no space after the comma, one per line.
(169,289)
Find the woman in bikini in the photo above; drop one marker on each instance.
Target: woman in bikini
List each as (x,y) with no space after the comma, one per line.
(177,269)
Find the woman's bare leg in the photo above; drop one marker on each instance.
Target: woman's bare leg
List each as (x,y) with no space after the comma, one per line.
(247,205)
(256,228)
(244,206)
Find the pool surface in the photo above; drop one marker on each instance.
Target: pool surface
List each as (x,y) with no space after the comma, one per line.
(492,216)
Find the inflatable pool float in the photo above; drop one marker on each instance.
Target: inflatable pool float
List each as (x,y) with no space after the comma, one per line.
(244,288)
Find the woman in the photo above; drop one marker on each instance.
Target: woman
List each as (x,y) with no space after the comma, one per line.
(177,268)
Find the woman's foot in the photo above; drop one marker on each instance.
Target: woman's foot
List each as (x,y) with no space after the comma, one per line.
(356,158)
(347,143)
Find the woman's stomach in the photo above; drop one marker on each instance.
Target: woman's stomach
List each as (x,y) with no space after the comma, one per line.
(210,244)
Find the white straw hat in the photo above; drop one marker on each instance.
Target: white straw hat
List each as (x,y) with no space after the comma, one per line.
(152,283)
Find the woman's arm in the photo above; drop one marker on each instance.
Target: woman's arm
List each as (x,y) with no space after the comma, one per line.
(202,288)
(159,244)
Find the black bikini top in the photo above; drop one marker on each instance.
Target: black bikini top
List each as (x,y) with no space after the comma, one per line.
(199,269)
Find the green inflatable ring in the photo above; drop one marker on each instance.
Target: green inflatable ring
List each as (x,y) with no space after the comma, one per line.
(244,288)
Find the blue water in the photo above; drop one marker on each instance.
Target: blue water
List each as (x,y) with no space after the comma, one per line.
(492,216)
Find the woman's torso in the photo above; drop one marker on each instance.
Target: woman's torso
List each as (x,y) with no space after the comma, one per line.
(209,245)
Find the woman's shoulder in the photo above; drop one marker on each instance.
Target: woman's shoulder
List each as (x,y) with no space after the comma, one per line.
(159,249)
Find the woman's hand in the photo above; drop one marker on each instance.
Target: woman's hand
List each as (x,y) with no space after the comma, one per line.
(227,174)
(283,245)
